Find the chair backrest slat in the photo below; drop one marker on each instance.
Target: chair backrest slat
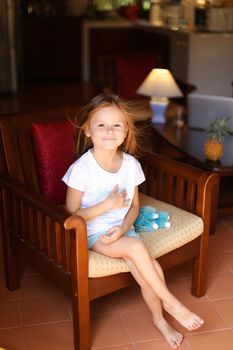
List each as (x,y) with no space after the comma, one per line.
(179,189)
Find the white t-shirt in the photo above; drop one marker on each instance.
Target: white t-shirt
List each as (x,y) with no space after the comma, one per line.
(86,175)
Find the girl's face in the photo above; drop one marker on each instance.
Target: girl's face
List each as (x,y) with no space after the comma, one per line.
(107,128)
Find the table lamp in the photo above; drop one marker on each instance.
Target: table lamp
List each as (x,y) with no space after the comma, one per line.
(159,85)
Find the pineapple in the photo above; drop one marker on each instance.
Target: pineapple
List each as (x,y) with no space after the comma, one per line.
(216,130)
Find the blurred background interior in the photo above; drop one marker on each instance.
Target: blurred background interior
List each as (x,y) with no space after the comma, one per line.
(48,41)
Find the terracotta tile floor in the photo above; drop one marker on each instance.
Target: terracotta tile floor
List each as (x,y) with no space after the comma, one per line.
(38,315)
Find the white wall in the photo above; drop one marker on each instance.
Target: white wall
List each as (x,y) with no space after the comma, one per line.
(205,60)
(211,63)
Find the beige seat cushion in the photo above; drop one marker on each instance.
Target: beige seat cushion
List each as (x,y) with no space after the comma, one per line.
(184,228)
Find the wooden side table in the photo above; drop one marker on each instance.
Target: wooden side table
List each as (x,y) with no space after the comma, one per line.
(186,144)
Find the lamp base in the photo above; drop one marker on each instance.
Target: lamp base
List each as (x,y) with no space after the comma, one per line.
(158,111)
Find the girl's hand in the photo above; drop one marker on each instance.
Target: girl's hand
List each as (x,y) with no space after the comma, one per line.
(117,199)
(113,234)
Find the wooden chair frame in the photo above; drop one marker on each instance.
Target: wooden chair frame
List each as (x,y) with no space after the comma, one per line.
(43,234)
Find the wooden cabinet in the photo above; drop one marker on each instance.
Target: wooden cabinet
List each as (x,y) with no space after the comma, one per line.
(51,48)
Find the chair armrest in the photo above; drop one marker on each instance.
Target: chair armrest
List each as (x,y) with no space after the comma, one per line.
(182,185)
(44,225)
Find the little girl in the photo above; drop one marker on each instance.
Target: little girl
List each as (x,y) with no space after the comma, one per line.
(103,189)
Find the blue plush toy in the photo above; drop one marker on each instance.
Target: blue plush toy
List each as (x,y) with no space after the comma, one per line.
(163,220)
(150,219)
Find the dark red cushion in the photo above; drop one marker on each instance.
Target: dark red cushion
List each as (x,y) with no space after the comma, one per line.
(130,73)
(53,144)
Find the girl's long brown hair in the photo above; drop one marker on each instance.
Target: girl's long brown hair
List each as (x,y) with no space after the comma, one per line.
(83,143)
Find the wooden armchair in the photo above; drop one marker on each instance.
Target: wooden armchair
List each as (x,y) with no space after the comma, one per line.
(38,231)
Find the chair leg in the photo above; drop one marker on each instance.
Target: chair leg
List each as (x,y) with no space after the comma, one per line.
(81,323)
(199,275)
(80,289)
(11,267)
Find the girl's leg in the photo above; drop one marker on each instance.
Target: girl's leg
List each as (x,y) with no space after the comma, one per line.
(134,250)
(154,304)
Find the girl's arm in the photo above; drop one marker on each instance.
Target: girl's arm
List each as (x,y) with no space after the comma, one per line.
(132,213)
(114,200)
(115,232)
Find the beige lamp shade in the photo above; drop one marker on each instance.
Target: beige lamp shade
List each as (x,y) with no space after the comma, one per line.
(159,83)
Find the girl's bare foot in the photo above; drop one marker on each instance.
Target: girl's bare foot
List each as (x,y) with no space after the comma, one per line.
(173,337)
(184,316)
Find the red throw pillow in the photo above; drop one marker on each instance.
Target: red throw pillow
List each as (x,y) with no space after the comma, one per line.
(53,144)
(130,73)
